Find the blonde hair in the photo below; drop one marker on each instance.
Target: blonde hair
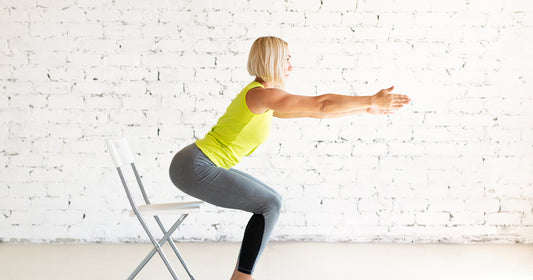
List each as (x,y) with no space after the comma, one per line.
(267,59)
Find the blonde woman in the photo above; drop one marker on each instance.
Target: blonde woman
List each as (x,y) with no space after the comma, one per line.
(205,169)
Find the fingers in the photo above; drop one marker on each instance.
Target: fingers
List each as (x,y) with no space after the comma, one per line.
(400,96)
(400,99)
(402,103)
(397,104)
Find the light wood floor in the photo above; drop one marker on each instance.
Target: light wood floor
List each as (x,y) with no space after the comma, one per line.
(310,261)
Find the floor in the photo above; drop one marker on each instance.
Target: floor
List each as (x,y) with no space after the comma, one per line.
(286,260)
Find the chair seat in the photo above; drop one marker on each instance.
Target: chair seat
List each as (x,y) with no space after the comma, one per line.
(160,209)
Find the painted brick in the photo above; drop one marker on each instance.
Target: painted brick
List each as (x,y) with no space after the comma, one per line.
(504,218)
(467,218)
(525,206)
(483,6)
(13,29)
(482,205)
(432,218)
(454,166)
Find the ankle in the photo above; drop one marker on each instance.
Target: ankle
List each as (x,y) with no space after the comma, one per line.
(237,275)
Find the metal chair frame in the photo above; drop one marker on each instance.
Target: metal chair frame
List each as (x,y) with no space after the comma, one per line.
(121,154)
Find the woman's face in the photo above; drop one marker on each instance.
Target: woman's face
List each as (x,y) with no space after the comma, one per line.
(287,66)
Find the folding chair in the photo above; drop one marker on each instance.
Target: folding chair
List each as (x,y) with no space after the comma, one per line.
(122,157)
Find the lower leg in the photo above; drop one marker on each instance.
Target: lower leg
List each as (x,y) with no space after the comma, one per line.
(251,244)
(237,275)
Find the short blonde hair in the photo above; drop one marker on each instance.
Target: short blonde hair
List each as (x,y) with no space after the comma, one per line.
(267,59)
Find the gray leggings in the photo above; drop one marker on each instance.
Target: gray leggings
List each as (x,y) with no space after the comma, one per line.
(196,175)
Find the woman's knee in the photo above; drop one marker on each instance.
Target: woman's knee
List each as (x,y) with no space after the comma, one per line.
(274,203)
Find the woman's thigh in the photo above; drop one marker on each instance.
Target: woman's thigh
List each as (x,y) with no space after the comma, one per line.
(256,180)
(193,173)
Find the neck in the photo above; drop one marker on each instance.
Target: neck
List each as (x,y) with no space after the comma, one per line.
(264,83)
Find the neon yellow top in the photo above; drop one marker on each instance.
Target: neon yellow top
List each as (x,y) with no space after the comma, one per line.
(237,133)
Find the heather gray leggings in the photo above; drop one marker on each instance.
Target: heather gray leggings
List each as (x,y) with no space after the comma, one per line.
(196,175)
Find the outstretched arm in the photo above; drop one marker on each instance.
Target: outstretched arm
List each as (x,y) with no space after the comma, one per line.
(318,115)
(287,105)
(373,111)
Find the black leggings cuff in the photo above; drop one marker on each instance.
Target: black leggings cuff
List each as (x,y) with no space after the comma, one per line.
(244,270)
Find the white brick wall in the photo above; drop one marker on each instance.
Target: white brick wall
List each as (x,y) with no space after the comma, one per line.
(454,166)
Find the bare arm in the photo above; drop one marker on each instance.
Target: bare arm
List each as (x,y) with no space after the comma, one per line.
(373,111)
(259,100)
(317,115)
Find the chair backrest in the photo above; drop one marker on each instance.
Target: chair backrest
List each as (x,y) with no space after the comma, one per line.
(122,157)
(120,152)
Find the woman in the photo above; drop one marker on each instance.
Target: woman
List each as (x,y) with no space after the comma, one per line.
(205,169)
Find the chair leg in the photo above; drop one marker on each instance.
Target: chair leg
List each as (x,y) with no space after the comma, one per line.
(180,258)
(173,245)
(157,245)
(157,248)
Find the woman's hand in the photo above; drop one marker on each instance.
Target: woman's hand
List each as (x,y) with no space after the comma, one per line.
(387,101)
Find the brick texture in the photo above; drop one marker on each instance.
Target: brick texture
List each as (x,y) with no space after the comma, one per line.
(454,166)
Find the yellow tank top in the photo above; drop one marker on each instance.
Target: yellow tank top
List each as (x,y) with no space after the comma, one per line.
(237,133)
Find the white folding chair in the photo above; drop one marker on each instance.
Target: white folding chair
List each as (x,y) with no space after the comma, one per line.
(122,157)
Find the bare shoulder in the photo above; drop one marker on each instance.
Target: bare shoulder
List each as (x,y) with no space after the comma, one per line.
(256,90)
(266,93)
(261,90)
(255,99)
